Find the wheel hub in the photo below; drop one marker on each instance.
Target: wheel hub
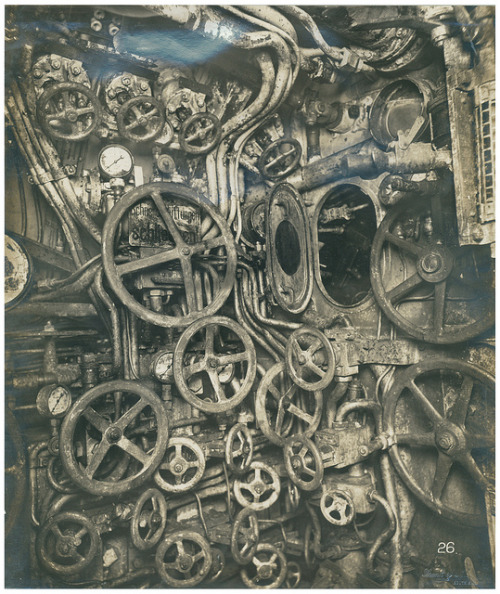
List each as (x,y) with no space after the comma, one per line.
(71,116)
(436,264)
(65,547)
(265,572)
(185,562)
(297,463)
(113,434)
(450,439)
(177,466)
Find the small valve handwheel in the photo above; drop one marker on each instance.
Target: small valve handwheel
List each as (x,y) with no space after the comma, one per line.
(200,133)
(259,488)
(239,448)
(148,519)
(337,507)
(182,467)
(183,559)
(67,543)
(244,536)
(235,350)
(108,414)
(280,158)
(267,569)
(141,119)
(293,575)
(310,359)
(303,462)
(69,111)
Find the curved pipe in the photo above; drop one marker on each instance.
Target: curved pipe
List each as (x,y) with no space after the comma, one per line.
(82,283)
(271,16)
(115,321)
(356,405)
(384,536)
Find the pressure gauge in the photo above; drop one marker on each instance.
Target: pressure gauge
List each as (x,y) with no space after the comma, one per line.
(18,272)
(161,367)
(115,161)
(53,401)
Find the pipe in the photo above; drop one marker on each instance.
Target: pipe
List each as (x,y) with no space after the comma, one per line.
(356,405)
(82,283)
(33,455)
(384,536)
(115,321)
(271,16)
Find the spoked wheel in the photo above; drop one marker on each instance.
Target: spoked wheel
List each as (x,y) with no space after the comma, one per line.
(141,118)
(148,520)
(226,369)
(259,488)
(244,536)
(267,568)
(281,404)
(280,158)
(303,462)
(442,415)
(158,272)
(183,559)
(114,421)
(239,448)
(424,282)
(182,467)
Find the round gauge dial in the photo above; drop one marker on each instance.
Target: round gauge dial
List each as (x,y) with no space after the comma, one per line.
(115,161)
(162,367)
(18,272)
(53,401)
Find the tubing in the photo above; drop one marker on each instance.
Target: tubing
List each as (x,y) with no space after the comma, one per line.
(384,536)
(115,321)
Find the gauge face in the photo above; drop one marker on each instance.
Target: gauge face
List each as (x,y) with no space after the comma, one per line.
(53,401)
(17,272)
(162,367)
(115,161)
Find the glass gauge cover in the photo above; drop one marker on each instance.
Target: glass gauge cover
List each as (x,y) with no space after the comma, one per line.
(115,161)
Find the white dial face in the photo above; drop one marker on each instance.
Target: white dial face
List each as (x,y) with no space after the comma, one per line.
(163,367)
(59,401)
(115,161)
(17,270)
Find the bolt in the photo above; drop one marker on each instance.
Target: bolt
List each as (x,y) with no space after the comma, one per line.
(431,263)
(212,363)
(185,251)
(114,434)
(363,451)
(76,70)
(126,81)
(477,233)
(258,490)
(178,468)
(445,442)
(144,86)
(37,73)
(111,94)
(301,359)
(56,64)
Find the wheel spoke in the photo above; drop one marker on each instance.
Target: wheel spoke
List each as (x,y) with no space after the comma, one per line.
(189,288)
(315,369)
(468,462)
(148,262)
(439,306)
(298,412)
(314,346)
(96,458)
(416,439)
(133,450)
(399,291)
(458,412)
(208,244)
(443,466)
(216,385)
(233,358)
(309,471)
(210,339)
(280,416)
(167,219)
(431,412)
(407,246)
(131,414)
(274,391)
(95,419)
(56,530)
(194,368)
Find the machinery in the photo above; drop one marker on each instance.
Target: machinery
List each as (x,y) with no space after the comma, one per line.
(249,291)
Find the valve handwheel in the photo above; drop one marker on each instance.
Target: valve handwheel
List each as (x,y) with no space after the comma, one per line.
(310,359)
(67,543)
(148,519)
(280,158)
(434,290)
(303,462)
(267,569)
(141,118)
(226,344)
(259,488)
(244,536)
(183,466)
(239,448)
(280,403)
(293,575)
(95,414)
(183,559)
(441,415)
(200,133)
(69,111)
(161,199)
(337,507)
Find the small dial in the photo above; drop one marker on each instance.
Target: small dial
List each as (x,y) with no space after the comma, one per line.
(53,401)
(162,367)
(18,272)
(115,161)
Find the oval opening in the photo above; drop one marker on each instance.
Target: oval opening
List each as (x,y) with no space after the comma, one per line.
(287,245)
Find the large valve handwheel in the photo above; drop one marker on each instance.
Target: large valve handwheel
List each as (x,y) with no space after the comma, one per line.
(182,467)
(303,462)
(309,358)
(183,559)
(162,200)
(280,404)
(239,448)
(280,158)
(200,133)
(337,507)
(259,488)
(424,282)
(228,349)
(69,111)
(244,536)
(118,417)
(441,414)
(148,519)
(141,118)
(67,543)
(267,569)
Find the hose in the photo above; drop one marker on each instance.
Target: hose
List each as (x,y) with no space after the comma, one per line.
(384,536)
(83,281)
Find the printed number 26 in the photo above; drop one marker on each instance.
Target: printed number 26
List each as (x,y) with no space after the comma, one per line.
(446,547)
